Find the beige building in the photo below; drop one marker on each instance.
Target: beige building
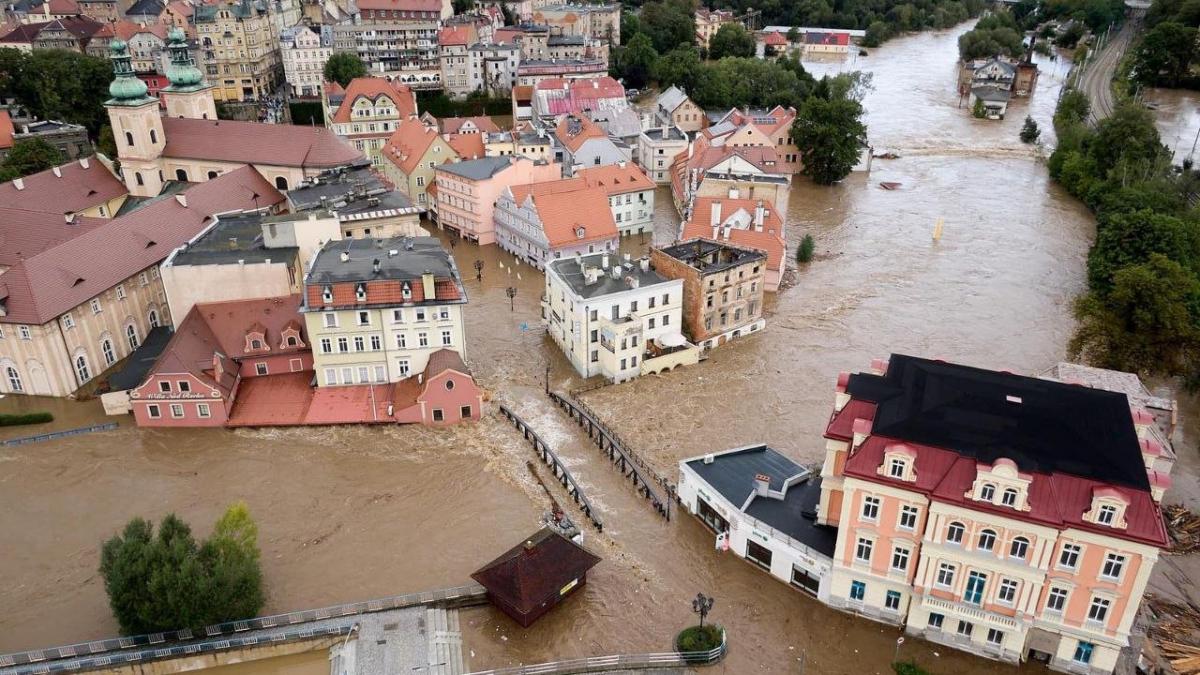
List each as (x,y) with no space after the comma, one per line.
(675,108)
(362,204)
(370,110)
(240,49)
(412,154)
(396,38)
(708,22)
(602,22)
(723,287)
(657,148)
(304,51)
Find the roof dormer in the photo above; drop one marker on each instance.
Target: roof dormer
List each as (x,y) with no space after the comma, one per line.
(899,463)
(256,339)
(1108,508)
(1001,484)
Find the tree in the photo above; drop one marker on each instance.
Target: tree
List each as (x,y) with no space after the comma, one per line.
(169,582)
(343,67)
(1165,55)
(1069,37)
(637,61)
(877,33)
(1030,131)
(831,136)
(62,85)
(731,39)
(1145,324)
(804,253)
(631,25)
(680,67)
(793,35)
(29,156)
(1127,137)
(669,23)
(1073,108)
(1131,238)
(991,39)
(978,110)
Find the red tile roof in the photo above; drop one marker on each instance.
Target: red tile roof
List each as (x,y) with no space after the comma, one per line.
(452,125)
(255,143)
(409,143)
(769,241)
(44,286)
(350,404)
(615,179)
(402,5)
(773,39)
(406,392)
(575,96)
(372,88)
(567,205)
(74,189)
(841,424)
(273,400)
(22,34)
(531,574)
(24,234)
(468,146)
(574,141)
(232,320)
(456,35)
(6,130)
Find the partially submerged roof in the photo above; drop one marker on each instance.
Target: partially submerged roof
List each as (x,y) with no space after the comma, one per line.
(536,569)
(709,257)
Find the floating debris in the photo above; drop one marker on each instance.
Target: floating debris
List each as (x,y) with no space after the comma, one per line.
(889,185)
(1184,528)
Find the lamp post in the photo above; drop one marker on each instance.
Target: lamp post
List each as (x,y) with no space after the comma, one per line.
(511,292)
(701,605)
(478,270)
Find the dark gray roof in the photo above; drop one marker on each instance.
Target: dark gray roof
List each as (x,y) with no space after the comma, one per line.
(990,93)
(231,239)
(138,364)
(399,258)
(672,134)
(732,475)
(477,169)
(498,46)
(570,270)
(348,191)
(146,8)
(710,257)
(564,40)
(49,126)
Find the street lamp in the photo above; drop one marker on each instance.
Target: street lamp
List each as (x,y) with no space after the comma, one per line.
(701,605)
(478,270)
(511,292)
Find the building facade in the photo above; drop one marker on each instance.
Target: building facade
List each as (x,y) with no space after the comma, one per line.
(467,192)
(657,148)
(370,111)
(747,223)
(412,154)
(304,50)
(396,38)
(241,53)
(377,309)
(630,194)
(552,220)
(723,287)
(599,21)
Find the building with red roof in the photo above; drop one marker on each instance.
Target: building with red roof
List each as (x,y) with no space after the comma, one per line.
(411,155)
(539,222)
(368,111)
(85,187)
(750,223)
(711,166)
(534,576)
(557,96)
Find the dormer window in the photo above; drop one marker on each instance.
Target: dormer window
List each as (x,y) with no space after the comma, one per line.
(256,344)
(406,291)
(1107,514)
(327,294)
(988,492)
(360,292)
(896,468)
(899,461)
(1009,498)
(1108,508)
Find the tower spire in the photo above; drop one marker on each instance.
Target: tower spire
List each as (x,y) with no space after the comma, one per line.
(126,88)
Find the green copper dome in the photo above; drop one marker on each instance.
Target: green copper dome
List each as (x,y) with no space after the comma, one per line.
(182,72)
(126,87)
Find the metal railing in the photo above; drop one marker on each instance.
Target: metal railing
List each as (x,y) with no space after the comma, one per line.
(108,426)
(599,664)
(472,594)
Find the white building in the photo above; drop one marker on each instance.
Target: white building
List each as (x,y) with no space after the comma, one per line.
(750,498)
(305,52)
(657,148)
(494,68)
(617,319)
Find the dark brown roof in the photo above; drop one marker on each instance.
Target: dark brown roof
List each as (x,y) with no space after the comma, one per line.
(255,143)
(534,570)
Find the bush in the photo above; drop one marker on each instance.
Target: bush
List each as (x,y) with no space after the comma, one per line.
(698,639)
(805,252)
(908,668)
(26,418)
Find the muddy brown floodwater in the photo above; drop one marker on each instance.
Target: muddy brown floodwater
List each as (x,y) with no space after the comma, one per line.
(354,513)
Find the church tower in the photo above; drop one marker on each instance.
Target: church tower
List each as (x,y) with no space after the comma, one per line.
(187,95)
(136,125)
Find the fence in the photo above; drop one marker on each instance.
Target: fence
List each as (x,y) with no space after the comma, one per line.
(560,470)
(108,426)
(600,664)
(169,642)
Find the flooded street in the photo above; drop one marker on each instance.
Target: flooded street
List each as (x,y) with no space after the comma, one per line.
(1177,112)
(354,513)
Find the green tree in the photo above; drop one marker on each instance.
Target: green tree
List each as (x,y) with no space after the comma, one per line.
(831,136)
(1030,131)
(680,67)
(793,35)
(1144,324)
(731,39)
(63,85)
(1127,137)
(991,37)
(669,23)
(1073,108)
(631,25)
(1164,56)
(343,67)
(979,111)
(168,581)
(637,61)
(1131,238)
(877,33)
(804,252)
(29,156)
(1069,37)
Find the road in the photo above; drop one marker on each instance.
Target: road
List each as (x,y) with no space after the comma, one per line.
(1098,73)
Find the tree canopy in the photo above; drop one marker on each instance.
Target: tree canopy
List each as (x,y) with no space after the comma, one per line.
(1165,54)
(829,131)
(28,156)
(996,34)
(169,581)
(731,39)
(636,60)
(57,84)
(668,23)
(343,67)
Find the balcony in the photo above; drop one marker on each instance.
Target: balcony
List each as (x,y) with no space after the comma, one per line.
(970,612)
(672,352)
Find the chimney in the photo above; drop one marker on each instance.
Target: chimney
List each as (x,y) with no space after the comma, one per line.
(716,214)
(70,218)
(645,261)
(182,199)
(759,213)
(427,286)
(84,162)
(579,260)
(375,266)
(716,232)
(19,183)
(345,256)
(57,172)
(762,484)
(621,164)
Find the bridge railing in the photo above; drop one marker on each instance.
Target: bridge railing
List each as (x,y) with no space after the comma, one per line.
(595,664)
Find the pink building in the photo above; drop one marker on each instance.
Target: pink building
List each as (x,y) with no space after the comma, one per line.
(443,394)
(196,379)
(467,191)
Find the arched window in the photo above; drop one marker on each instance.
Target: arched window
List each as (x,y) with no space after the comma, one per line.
(987,540)
(1009,497)
(81,368)
(132,336)
(292,342)
(153,317)
(14,380)
(153,136)
(988,492)
(954,533)
(181,174)
(1019,548)
(137,175)
(212,175)
(106,348)
(281,183)
(129,138)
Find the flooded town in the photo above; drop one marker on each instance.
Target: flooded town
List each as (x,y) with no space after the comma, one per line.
(949,267)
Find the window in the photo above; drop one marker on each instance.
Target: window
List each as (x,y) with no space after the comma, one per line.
(464,412)
(1007,592)
(976,582)
(857,590)
(360,292)
(1069,557)
(397,316)
(81,369)
(988,492)
(1098,610)
(181,175)
(330,320)
(153,411)
(954,533)
(987,540)
(758,554)
(364,374)
(1083,652)
(945,575)
(1107,514)
(422,339)
(900,559)
(380,374)
(343,345)
(443,313)
(935,620)
(359,343)
(14,379)
(96,309)
(68,321)
(347,376)
(326,346)
(256,344)
(995,637)
(376,343)
(870,508)
(260,368)
(1019,547)
(164,386)
(908,517)
(1009,498)
(364,318)
(1056,600)
(106,348)
(446,338)
(862,552)
(153,318)
(281,183)
(176,410)
(666,318)
(402,367)
(330,376)
(1113,564)
(965,628)
(438,415)
(896,468)
(666,299)
(892,601)
(23,331)
(202,410)
(401,341)
(137,175)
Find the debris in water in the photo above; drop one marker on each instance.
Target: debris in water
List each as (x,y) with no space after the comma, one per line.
(1184,528)
(889,185)
(887,155)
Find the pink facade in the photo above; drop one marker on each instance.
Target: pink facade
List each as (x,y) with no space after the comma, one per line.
(467,191)
(179,400)
(448,398)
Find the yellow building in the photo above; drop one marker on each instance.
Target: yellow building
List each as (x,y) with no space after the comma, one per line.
(241,54)
(412,154)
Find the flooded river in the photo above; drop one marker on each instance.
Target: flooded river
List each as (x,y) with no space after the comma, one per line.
(355,513)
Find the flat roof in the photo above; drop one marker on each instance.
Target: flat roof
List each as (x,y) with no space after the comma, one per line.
(710,257)
(399,258)
(478,169)
(1042,425)
(349,191)
(233,238)
(570,271)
